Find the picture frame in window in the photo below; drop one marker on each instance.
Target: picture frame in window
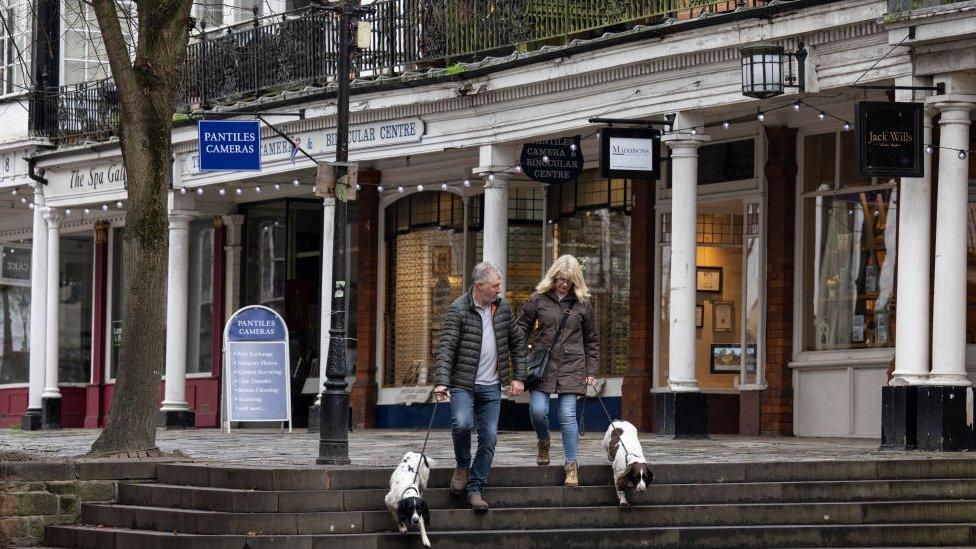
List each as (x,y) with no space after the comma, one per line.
(708,279)
(700,315)
(725,358)
(723,319)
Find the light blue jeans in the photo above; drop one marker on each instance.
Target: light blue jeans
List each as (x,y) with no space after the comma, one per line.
(539,413)
(475,410)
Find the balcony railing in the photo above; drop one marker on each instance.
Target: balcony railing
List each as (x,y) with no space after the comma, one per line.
(290,52)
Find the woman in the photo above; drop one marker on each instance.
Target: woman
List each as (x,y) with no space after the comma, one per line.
(573,359)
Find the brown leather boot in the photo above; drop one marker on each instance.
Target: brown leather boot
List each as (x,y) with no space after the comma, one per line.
(572,474)
(477,502)
(459,481)
(543,457)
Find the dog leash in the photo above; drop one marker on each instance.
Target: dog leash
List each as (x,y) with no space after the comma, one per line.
(423,449)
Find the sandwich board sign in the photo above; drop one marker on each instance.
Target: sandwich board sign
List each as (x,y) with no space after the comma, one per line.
(256,367)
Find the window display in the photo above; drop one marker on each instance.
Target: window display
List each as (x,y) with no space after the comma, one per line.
(15,299)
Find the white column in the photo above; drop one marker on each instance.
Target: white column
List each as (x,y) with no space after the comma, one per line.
(494,160)
(232,249)
(38,310)
(325,319)
(52,337)
(949,303)
(914,304)
(176,309)
(684,212)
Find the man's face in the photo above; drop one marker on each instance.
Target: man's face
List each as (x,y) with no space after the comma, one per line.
(489,289)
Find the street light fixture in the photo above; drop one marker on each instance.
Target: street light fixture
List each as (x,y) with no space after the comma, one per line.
(762,70)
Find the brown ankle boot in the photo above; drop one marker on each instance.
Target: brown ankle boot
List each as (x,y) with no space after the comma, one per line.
(543,457)
(572,474)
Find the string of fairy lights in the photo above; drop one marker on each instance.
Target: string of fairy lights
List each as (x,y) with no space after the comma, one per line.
(488,177)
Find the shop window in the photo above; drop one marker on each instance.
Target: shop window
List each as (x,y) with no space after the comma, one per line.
(75,309)
(600,240)
(15,300)
(264,283)
(200,297)
(849,252)
(118,298)
(971,247)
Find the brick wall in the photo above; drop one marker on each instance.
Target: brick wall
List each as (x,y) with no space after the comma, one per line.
(637,404)
(364,391)
(781,170)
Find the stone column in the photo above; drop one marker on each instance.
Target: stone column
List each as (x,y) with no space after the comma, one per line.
(494,160)
(175,410)
(51,397)
(943,405)
(31,421)
(683,412)
(899,400)
(949,307)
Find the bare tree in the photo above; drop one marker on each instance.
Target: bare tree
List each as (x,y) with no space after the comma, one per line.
(147,84)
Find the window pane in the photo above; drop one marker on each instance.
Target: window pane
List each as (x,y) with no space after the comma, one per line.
(15,301)
(200,297)
(117,300)
(819,153)
(849,270)
(425,277)
(75,309)
(732,161)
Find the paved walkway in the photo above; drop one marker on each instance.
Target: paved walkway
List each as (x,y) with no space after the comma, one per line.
(386,447)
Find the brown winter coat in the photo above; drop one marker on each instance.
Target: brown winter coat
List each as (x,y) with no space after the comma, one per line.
(576,354)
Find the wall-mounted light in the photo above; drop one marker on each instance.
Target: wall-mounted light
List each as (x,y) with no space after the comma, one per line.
(762,70)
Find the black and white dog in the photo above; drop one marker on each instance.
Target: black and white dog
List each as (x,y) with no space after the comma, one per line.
(630,469)
(405,498)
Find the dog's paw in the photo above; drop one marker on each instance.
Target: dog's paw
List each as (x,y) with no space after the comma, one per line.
(403,528)
(624,503)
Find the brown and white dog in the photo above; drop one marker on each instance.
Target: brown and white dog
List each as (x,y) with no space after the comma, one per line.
(630,469)
(405,500)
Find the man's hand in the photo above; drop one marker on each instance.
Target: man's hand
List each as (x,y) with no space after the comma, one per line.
(517,388)
(441,394)
(590,380)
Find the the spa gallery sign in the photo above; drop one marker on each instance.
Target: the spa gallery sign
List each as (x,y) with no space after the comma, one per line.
(889,139)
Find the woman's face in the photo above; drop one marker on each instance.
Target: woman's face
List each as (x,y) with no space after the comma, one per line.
(562,284)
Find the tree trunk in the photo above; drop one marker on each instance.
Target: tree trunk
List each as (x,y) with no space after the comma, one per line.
(147,90)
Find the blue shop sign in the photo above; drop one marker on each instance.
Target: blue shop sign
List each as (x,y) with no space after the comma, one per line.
(255,324)
(230,145)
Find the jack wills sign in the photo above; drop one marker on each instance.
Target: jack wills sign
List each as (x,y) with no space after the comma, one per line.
(889,139)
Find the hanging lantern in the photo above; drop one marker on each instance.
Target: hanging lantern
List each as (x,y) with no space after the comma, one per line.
(762,71)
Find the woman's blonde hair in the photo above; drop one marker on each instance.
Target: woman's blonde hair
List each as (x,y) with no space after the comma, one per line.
(566,266)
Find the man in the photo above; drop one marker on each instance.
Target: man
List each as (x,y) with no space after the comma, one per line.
(478,341)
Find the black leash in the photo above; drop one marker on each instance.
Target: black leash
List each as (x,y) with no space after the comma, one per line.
(611,420)
(423,449)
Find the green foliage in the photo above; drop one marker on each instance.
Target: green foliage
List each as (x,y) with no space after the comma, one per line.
(456,68)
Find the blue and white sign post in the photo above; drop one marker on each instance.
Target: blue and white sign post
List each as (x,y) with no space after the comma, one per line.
(256,367)
(229,145)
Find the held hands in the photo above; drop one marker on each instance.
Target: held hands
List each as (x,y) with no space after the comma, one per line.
(441,394)
(516,388)
(590,380)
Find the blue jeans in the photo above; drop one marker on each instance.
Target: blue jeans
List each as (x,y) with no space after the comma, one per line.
(483,405)
(568,423)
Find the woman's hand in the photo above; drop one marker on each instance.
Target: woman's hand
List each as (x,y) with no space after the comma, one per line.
(590,380)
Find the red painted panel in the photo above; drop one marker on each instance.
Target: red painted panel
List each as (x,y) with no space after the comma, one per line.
(203,395)
(73,407)
(13,404)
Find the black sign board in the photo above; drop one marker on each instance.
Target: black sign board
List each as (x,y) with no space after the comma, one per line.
(15,266)
(553,161)
(630,153)
(889,139)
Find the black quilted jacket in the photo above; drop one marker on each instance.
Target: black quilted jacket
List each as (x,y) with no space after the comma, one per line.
(459,348)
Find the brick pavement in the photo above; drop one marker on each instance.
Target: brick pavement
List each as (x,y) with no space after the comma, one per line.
(385,447)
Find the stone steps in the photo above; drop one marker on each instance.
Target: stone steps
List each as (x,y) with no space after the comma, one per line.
(272,501)
(539,518)
(906,502)
(901,535)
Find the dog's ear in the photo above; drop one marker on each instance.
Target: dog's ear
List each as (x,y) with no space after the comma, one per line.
(625,480)
(423,510)
(648,474)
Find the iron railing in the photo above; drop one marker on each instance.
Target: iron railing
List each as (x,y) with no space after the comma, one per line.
(898,6)
(299,49)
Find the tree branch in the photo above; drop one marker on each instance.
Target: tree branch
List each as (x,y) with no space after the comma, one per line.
(117,50)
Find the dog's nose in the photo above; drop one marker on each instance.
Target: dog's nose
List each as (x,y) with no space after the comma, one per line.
(415,519)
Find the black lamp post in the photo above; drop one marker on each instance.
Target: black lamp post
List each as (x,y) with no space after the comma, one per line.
(762,71)
(333,430)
